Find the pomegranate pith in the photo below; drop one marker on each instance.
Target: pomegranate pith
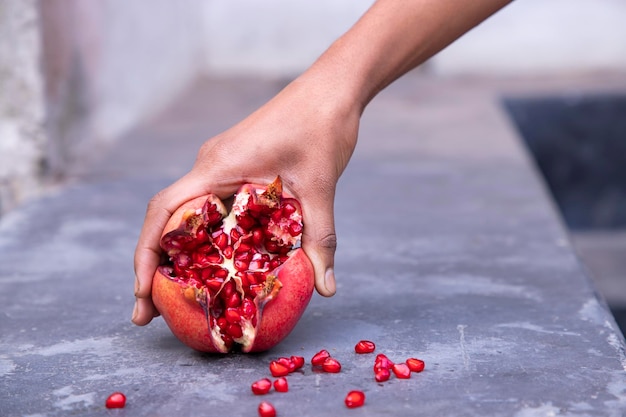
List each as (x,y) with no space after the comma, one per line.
(235,277)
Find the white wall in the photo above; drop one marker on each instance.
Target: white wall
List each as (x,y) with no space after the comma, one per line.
(273,37)
(531,37)
(22,141)
(282,37)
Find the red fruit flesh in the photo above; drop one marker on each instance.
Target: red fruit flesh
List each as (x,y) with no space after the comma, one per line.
(319,358)
(401,370)
(281,385)
(365,346)
(382,375)
(415,365)
(266,410)
(298,362)
(234,279)
(288,363)
(355,399)
(382,362)
(278,369)
(261,387)
(331,365)
(116,400)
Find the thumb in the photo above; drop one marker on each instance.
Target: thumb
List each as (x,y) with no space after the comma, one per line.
(319,242)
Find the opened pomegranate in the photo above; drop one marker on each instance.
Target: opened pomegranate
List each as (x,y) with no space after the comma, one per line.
(235,277)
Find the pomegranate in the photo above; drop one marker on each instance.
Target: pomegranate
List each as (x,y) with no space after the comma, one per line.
(235,277)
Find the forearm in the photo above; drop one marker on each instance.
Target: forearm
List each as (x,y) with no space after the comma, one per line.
(393,37)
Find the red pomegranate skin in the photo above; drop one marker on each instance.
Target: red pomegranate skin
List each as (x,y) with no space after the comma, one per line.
(187,319)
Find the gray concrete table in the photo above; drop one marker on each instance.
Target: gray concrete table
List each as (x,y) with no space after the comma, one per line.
(454,257)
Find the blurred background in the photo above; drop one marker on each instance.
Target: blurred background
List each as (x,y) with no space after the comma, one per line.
(77,78)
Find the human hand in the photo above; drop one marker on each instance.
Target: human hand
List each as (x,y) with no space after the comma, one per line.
(306,134)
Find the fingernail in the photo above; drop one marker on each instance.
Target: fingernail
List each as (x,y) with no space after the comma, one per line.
(135,312)
(329,281)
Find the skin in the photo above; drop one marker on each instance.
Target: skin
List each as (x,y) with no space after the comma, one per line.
(308,131)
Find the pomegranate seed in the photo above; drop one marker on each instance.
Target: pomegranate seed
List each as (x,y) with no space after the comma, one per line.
(319,358)
(382,362)
(382,375)
(295,229)
(415,365)
(257,236)
(365,346)
(401,370)
(116,400)
(288,209)
(281,384)
(355,399)
(298,362)
(235,331)
(232,315)
(278,369)
(262,386)
(288,363)
(266,410)
(271,246)
(331,365)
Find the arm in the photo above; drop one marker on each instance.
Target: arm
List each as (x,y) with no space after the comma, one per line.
(307,132)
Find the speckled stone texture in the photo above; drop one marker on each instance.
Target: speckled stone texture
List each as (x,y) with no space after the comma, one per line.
(455,257)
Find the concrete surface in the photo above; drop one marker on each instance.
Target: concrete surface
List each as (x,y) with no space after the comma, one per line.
(450,250)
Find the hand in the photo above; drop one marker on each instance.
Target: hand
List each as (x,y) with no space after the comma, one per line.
(306,135)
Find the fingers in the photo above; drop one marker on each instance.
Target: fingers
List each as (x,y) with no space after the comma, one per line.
(319,241)
(148,250)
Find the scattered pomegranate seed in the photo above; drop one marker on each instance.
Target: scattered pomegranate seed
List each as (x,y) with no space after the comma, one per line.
(355,399)
(415,365)
(401,370)
(266,410)
(365,346)
(116,400)
(331,365)
(278,369)
(281,384)
(262,386)
(319,358)
(382,362)
(382,375)
(288,363)
(298,362)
